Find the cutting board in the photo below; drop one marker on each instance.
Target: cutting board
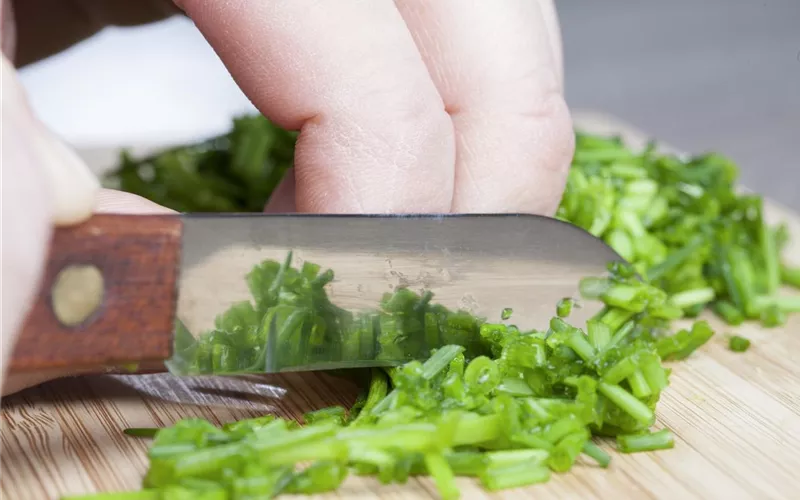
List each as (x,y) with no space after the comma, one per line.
(736,418)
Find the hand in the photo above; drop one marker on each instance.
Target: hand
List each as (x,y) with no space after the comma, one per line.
(404,106)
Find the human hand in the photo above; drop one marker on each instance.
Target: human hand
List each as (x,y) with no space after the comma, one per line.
(403,106)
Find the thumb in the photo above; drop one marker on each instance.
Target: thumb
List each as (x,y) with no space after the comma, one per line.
(44,183)
(106,201)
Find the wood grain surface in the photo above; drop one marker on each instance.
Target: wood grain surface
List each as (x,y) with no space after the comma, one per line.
(137,257)
(736,418)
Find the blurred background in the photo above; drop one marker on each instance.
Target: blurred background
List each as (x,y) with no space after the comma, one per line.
(720,75)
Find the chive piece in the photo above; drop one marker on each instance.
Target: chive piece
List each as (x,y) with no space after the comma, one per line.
(597,454)
(638,384)
(772,316)
(675,259)
(690,298)
(599,334)
(378,389)
(564,307)
(145,432)
(692,242)
(634,443)
(440,360)
(628,403)
(684,343)
(439,468)
(620,371)
(320,477)
(784,304)
(738,344)
(790,276)
(728,312)
(594,288)
(769,252)
(506,314)
(466,463)
(334,413)
(514,476)
(513,457)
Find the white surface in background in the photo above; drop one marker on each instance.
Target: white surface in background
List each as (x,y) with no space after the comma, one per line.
(158,84)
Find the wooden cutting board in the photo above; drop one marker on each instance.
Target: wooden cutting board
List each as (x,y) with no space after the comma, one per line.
(736,418)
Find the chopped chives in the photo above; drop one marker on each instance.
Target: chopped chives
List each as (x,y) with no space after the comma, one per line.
(628,403)
(564,307)
(493,393)
(689,298)
(514,476)
(597,454)
(790,275)
(772,316)
(728,312)
(147,432)
(769,253)
(738,344)
(634,443)
(442,474)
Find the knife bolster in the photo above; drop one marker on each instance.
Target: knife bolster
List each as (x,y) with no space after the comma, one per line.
(107,296)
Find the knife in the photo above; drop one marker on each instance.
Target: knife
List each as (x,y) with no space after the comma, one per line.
(122,289)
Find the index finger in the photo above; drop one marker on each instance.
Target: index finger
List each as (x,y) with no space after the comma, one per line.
(375,137)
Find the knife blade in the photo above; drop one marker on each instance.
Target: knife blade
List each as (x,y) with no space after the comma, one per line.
(121,289)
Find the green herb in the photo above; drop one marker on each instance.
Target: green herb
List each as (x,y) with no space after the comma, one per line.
(634,443)
(564,307)
(504,405)
(506,314)
(236,172)
(141,432)
(679,220)
(465,397)
(602,458)
(790,275)
(738,344)
(685,342)
(681,223)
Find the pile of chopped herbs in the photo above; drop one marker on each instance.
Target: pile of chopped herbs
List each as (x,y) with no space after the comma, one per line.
(235,172)
(504,406)
(685,228)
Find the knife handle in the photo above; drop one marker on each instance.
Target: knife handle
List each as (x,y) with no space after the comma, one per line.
(107,296)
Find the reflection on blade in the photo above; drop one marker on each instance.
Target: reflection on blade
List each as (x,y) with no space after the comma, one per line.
(286,293)
(245,392)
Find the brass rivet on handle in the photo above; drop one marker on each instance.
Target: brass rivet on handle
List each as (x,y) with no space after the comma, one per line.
(77,293)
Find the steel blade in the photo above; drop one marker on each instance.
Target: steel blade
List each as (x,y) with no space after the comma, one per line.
(478,263)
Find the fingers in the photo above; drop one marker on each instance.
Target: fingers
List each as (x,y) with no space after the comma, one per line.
(25,214)
(70,185)
(110,201)
(554,35)
(282,200)
(50,185)
(374,133)
(494,67)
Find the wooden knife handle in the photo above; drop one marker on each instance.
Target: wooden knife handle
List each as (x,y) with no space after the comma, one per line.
(107,297)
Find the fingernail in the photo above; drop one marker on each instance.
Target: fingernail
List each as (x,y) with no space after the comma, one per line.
(73,186)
